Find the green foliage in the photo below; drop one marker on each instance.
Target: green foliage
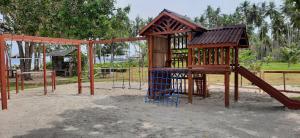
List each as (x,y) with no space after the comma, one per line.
(49,65)
(291,54)
(248,58)
(268,27)
(256,66)
(268,59)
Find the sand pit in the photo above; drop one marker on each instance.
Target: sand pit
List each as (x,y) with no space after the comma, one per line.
(123,113)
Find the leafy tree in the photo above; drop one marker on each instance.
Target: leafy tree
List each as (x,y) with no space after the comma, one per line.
(291,54)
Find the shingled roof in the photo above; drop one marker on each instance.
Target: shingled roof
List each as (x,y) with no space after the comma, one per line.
(234,35)
(185,22)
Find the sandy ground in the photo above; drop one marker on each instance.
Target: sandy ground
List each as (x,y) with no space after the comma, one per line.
(123,113)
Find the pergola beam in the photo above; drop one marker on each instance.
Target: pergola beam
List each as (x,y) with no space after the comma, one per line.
(3,74)
(38,39)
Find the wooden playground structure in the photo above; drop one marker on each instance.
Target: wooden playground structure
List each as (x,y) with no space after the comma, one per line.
(180,53)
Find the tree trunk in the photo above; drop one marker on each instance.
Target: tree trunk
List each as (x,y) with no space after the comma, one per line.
(28,60)
(36,61)
(39,59)
(21,55)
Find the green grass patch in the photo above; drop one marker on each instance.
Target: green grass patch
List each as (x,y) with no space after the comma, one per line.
(280,66)
(296,98)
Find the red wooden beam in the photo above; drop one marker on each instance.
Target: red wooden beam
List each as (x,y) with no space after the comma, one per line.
(79,69)
(38,39)
(3,74)
(91,59)
(44,70)
(116,40)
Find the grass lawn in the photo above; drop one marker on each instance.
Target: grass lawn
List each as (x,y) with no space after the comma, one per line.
(280,66)
(272,78)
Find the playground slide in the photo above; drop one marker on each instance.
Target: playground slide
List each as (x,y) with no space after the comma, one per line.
(273,92)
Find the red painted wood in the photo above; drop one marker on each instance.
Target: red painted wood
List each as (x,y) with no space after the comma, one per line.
(289,103)
(79,69)
(22,82)
(236,75)
(44,70)
(3,74)
(91,67)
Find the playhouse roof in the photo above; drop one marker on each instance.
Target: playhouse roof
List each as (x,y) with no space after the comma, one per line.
(234,35)
(169,22)
(61,53)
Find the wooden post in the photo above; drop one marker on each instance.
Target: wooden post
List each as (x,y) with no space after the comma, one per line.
(3,74)
(226,82)
(283,81)
(17,82)
(52,81)
(79,69)
(7,77)
(226,78)
(150,57)
(91,67)
(22,82)
(8,84)
(44,70)
(205,86)
(190,75)
(236,75)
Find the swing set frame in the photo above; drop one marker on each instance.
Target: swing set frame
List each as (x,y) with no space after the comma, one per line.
(47,40)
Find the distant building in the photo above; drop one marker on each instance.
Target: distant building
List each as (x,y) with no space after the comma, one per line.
(62,61)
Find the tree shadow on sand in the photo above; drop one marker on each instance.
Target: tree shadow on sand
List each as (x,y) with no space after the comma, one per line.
(121,116)
(103,120)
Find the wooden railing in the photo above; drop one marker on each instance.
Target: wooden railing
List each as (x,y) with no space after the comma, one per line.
(211,56)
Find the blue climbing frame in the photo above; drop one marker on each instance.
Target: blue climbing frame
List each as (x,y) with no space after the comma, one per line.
(166,85)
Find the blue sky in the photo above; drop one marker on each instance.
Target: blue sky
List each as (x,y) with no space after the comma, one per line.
(191,8)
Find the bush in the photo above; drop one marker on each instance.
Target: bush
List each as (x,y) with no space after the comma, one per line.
(268,59)
(291,54)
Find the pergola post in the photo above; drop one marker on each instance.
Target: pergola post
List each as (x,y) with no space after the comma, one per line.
(7,77)
(79,69)
(236,74)
(17,82)
(3,74)
(91,59)
(44,70)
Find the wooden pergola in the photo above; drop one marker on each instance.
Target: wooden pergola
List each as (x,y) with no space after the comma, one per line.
(44,41)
